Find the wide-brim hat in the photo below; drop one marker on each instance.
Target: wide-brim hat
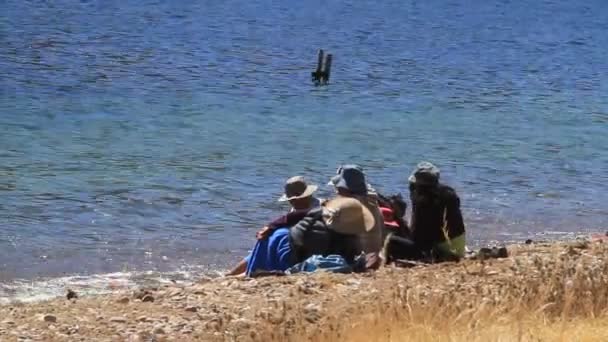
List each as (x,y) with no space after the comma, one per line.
(425,174)
(347,215)
(296,188)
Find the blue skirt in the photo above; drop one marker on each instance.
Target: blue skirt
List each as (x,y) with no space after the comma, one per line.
(271,254)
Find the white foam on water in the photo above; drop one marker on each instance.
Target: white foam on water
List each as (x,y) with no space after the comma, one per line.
(27,291)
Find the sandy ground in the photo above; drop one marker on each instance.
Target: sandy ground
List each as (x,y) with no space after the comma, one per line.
(560,280)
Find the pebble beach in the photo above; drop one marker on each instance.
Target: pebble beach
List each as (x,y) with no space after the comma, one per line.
(552,281)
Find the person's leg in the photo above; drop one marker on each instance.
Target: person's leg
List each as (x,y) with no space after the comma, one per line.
(451,250)
(272,254)
(240,268)
(402,248)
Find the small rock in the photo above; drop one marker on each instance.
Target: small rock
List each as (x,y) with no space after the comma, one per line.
(529,242)
(8,322)
(135,337)
(140,294)
(312,313)
(199,290)
(71,294)
(118,320)
(353,282)
(192,309)
(243,324)
(142,319)
(73,330)
(123,300)
(174,292)
(49,318)
(159,330)
(147,298)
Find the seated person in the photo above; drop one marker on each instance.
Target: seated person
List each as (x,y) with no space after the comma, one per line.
(334,228)
(350,182)
(393,210)
(299,194)
(438,230)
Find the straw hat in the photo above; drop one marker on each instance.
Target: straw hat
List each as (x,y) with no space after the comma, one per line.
(348,215)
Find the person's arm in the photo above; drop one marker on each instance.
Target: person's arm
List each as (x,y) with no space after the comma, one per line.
(454,216)
(288,220)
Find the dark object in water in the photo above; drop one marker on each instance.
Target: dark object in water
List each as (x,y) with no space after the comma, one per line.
(321,75)
(71,294)
(529,242)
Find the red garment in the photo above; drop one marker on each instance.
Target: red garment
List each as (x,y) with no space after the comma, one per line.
(389,218)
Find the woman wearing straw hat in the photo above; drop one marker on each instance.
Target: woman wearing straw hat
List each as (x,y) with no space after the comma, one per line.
(333,229)
(350,182)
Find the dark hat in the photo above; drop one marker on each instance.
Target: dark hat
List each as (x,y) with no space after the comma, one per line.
(295,188)
(352,178)
(425,174)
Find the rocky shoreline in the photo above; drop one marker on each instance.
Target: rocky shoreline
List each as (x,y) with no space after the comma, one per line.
(564,279)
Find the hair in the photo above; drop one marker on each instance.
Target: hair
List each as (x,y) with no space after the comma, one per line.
(424,194)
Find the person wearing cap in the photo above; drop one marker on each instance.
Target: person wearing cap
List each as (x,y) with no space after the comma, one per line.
(332,229)
(437,226)
(350,182)
(300,196)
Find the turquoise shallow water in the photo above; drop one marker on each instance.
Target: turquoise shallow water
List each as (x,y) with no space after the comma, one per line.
(155,136)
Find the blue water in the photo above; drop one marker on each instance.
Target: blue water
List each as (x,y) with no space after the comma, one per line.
(156,135)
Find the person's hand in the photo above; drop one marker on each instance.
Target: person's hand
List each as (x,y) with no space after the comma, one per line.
(263,233)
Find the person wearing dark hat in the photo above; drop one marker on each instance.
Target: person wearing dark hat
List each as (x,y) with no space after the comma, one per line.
(333,229)
(437,226)
(350,182)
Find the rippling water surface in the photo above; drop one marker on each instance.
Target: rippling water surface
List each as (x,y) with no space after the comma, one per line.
(156,135)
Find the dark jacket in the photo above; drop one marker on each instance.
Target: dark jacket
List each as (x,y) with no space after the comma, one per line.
(311,236)
(289,219)
(429,218)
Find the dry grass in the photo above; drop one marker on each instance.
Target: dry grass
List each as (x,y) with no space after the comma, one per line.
(510,328)
(551,292)
(561,295)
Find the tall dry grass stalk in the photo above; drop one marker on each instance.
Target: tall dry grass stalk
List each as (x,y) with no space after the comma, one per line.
(557,296)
